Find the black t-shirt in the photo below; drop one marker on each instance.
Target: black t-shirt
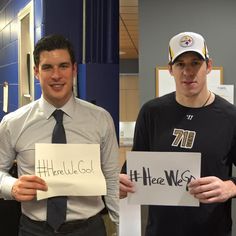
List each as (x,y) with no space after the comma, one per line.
(164,125)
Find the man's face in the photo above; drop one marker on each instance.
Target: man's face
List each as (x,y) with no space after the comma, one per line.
(55,73)
(190,73)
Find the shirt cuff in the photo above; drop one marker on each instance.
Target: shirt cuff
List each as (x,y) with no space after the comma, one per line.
(7,184)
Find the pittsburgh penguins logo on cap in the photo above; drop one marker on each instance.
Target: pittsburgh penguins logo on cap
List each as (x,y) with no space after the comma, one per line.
(186,41)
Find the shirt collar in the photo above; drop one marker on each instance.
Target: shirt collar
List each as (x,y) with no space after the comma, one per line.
(48,108)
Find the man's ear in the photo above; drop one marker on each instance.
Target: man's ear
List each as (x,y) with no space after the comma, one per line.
(170,68)
(75,68)
(209,65)
(36,72)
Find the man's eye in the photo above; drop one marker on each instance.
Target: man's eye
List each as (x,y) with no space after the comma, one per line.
(64,66)
(179,64)
(46,67)
(196,63)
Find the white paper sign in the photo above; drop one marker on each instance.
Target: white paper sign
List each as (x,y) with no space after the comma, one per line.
(161,178)
(69,170)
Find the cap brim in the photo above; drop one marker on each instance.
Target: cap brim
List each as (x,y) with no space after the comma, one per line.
(185,51)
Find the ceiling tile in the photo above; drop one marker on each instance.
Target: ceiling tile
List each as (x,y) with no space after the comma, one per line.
(129,29)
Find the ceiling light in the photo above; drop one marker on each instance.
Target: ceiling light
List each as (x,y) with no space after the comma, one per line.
(122,53)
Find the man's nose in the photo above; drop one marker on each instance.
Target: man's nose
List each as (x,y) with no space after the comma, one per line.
(188,70)
(55,73)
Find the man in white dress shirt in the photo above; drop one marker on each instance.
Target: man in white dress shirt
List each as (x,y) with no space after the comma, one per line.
(85,123)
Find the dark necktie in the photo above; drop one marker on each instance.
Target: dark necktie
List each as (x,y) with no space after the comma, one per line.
(56,206)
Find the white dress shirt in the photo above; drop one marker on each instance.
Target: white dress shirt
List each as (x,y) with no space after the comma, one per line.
(84,123)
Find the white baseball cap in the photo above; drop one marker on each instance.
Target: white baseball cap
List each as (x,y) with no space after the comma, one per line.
(187,42)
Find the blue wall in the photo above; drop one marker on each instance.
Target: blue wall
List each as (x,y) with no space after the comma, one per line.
(66,18)
(9,50)
(99,84)
(48,19)
(9,47)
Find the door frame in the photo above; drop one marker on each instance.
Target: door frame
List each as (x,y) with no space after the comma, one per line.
(25,54)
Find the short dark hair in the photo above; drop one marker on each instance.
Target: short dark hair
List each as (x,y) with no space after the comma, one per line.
(53,42)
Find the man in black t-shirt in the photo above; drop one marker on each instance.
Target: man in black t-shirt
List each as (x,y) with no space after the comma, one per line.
(212,120)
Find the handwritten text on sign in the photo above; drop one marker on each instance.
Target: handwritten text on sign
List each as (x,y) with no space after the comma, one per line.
(46,168)
(69,170)
(161,178)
